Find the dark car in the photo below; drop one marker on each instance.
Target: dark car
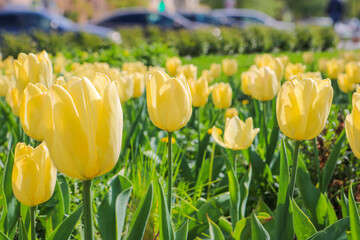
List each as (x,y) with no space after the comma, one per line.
(207,19)
(144,18)
(25,20)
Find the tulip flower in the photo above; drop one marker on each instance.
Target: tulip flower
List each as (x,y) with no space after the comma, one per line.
(13,99)
(293,69)
(222,95)
(125,87)
(308,57)
(133,67)
(334,67)
(31,110)
(172,65)
(274,64)
(189,71)
(215,69)
(230,67)
(83,130)
(303,106)
(199,91)
(169,106)
(284,60)
(264,85)
(352,125)
(6,83)
(33,68)
(139,84)
(246,79)
(208,75)
(237,135)
(316,76)
(231,112)
(352,70)
(322,64)
(345,84)
(33,178)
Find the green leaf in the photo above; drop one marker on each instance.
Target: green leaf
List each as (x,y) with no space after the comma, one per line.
(244,191)
(243,229)
(120,208)
(261,206)
(344,204)
(166,229)
(331,215)
(225,225)
(106,215)
(22,231)
(64,229)
(65,192)
(274,138)
(215,232)
(3,236)
(258,232)
(354,216)
(284,227)
(133,128)
(182,232)
(141,216)
(336,231)
(331,163)
(302,224)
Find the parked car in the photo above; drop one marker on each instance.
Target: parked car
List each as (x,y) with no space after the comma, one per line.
(26,20)
(246,17)
(144,18)
(206,18)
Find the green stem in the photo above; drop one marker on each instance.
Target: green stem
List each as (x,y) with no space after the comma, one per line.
(32,222)
(87,203)
(264,121)
(211,169)
(317,162)
(198,126)
(294,168)
(170,172)
(234,162)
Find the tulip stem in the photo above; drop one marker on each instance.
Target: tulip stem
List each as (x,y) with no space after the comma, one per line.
(265,128)
(294,168)
(317,162)
(170,173)
(32,222)
(211,169)
(87,201)
(234,156)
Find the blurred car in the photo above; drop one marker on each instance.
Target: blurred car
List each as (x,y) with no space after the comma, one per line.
(207,19)
(144,18)
(316,21)
(246,17)
(25,20)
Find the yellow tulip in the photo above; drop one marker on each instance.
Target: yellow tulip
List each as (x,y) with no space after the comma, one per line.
(264,85)
(7,65)
(60,81)
(60,63)
(152,70)
(83,127)
(357,89)
(33,68)
(246,79)
(302,107)
(6,83)
(274,64)
(352,127)
(231,112)
(13,99)
(263,60)
(133,67)
(316,76)
(31,109)
(215,69)
(168,101)
(334,67)
(350,56)
(199,91)
(237,135)
(284,60)
(172,65)
(208,75)
(345,84)
(308,57)
(125,86)
(322,64)
(221,95)
(139,84)
(33,175)
(293,69)
(229,66)
(189,71)
(352,70)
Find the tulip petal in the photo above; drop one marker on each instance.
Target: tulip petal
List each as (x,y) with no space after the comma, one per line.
(215,134)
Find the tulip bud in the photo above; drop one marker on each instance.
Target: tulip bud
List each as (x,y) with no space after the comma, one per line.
(133,67)
(264,85)
(125,87)
(208,75)
(237,135)
(222,95)
(316,76)
(172,65)
(215,69)
(352,125)
(13,99)
(302,107)
(230,67)
(334,67)
(231,112)
(274,64)
(308,57)
(345,84)
(293,69)
(189,71)
(246,79)
(139,84)
(199,91)
(168,101)
(83,127)
(322,64)
(352,70)
(34,175)
(6,83)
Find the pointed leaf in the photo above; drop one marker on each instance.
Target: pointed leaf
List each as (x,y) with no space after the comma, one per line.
(22,231)
(3,236)
(120,208)
(336,231)
(215,232)
(182,232)
(166,229)
(258,232)
(302,224)
(354,216)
